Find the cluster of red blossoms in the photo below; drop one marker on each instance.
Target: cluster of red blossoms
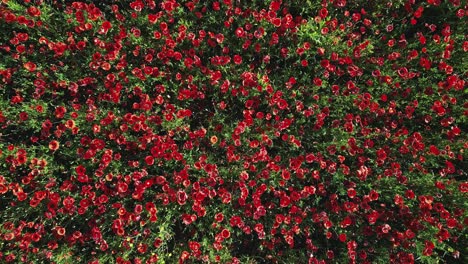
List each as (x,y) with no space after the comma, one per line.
(231,131)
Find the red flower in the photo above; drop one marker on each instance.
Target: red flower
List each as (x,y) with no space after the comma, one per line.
(181,197)
(213,140)
(60,231)
(463,187)
(323,13)
(122,187)
(83,178)
(54,145)
(219,217)
(240,33)
(34,11)
(23,116)
(68,202)
(149,160)
(3,189)
(30,66)
(342,237)
(275,5)
(372,217)
(80,170)
(373,195)
(194,246)
(105,27)
(225,233)
(429,246)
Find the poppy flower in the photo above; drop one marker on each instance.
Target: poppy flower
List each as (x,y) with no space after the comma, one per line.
(225,233)
(34,11)
(219,217)
(3,189)
(30,66)
(54,145)
(60,231)
(149,160)
(342,237)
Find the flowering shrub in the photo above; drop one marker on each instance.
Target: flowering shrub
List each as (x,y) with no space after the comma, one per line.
(233,131)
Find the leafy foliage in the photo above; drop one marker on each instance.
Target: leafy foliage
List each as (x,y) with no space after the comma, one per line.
(233,131)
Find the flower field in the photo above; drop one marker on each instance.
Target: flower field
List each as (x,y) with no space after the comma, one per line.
(232,131)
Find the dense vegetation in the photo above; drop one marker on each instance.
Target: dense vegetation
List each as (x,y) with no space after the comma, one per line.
(233,131)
